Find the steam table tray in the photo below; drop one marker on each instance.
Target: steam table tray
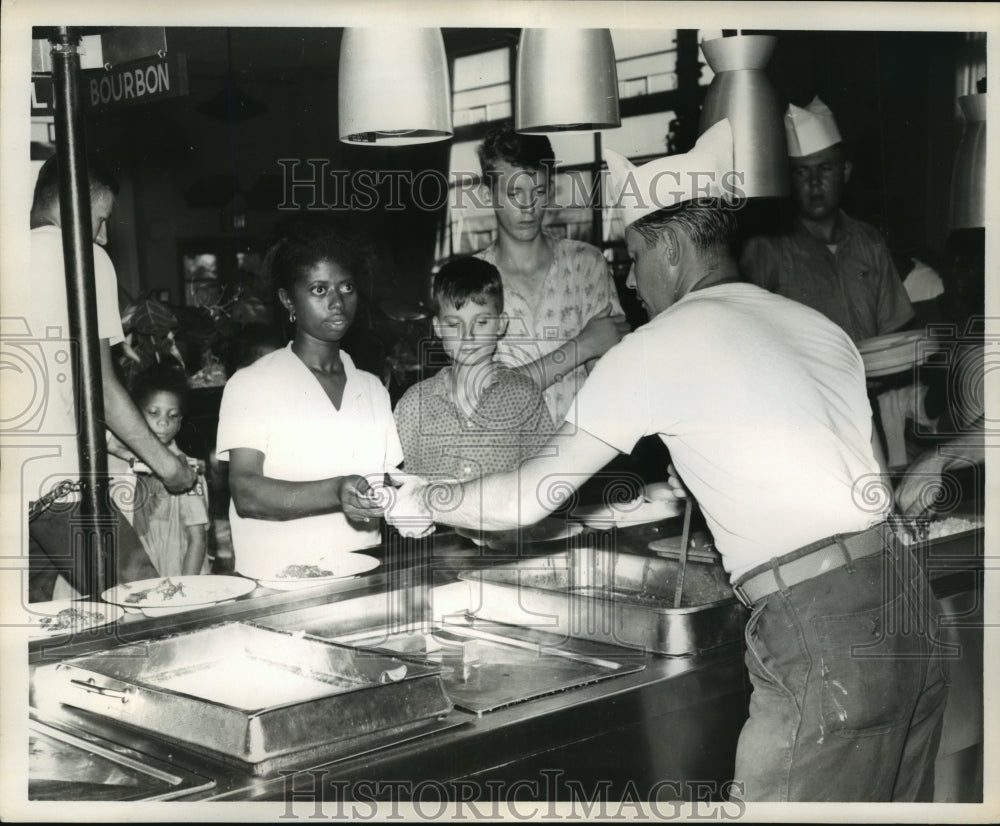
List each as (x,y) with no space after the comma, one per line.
(250,695)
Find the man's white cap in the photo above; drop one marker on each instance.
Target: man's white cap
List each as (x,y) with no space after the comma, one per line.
(811,129)
(704,172)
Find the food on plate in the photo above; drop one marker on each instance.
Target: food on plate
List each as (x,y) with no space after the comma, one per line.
(940,528)
(953,524)
(303,572)
(164,590)
(71,618)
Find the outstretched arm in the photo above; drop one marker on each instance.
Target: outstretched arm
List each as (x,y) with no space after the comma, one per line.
(502,501)
(599,334)
(127,423)
(257,496)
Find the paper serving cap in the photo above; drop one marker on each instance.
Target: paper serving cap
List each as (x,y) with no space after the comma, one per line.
(810,129)
(704,172)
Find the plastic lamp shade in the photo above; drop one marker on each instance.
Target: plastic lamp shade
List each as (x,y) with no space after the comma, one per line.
(567,81)
(968,180)
(741,92)
(393,87)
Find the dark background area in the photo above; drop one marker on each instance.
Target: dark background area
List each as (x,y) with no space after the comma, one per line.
(257,95)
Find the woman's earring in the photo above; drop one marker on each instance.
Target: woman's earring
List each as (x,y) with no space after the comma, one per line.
(291,316)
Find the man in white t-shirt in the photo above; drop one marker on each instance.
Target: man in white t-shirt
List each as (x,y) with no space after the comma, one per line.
(762,404)
(39,306)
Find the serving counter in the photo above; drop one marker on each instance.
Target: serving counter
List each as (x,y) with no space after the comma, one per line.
(538,715)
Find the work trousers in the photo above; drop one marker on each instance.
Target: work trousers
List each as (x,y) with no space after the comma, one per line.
(850,677)
(55,547)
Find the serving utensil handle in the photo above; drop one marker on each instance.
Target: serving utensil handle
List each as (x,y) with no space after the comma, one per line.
(685,537)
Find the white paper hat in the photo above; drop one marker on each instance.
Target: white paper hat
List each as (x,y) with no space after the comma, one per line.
(704,172)
(811,129)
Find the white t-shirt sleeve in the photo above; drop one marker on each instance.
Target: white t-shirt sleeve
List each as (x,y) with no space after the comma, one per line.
(614,403)
(242,416)
(109,321)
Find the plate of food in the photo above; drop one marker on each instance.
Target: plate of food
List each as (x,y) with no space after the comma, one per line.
(892,353)
(171,595)
(293,576)
(958,533)
(69,616)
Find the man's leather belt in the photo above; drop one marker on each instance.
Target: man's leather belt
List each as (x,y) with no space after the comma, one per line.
(808,562)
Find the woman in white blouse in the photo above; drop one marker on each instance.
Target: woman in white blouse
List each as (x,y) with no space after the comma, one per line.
(302,426)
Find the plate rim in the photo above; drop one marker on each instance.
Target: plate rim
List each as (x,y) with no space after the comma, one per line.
(877,344)
(140,605)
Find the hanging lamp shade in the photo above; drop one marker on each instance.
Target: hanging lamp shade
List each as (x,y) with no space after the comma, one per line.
(742,92)
(567,81)
(393,86)
(968,180)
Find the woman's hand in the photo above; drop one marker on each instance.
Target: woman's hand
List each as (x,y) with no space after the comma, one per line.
(358,500)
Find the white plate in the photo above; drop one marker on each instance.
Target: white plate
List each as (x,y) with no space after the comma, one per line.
(892,353)
(44,618)
(626,514)
(340,566)
(196,591)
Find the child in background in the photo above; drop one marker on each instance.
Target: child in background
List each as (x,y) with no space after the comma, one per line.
(173,528)
(475,416)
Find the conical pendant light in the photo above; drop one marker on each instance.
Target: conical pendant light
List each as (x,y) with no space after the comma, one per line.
(741,92)
(968,180)
(393,86)
(567,81)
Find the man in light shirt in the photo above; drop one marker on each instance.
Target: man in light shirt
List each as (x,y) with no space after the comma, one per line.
(761,402)
(41,304)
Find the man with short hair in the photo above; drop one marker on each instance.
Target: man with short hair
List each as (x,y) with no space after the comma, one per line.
(830,261)
(41,301)
(561,301)
(761,402)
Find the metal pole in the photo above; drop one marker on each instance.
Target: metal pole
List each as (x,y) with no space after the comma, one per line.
(596,218)
(96,520)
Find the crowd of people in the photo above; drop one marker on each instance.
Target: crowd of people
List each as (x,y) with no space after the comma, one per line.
(747,370)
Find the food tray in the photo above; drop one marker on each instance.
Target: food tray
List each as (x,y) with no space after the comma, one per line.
(612,597)
(485,670)
(248,694)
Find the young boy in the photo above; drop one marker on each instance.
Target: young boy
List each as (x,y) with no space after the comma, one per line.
(172,528)
(474,416)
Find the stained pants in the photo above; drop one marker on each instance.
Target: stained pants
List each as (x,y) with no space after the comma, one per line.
(850,679)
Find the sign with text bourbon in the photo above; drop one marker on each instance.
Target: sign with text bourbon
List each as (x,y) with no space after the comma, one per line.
(135,83)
